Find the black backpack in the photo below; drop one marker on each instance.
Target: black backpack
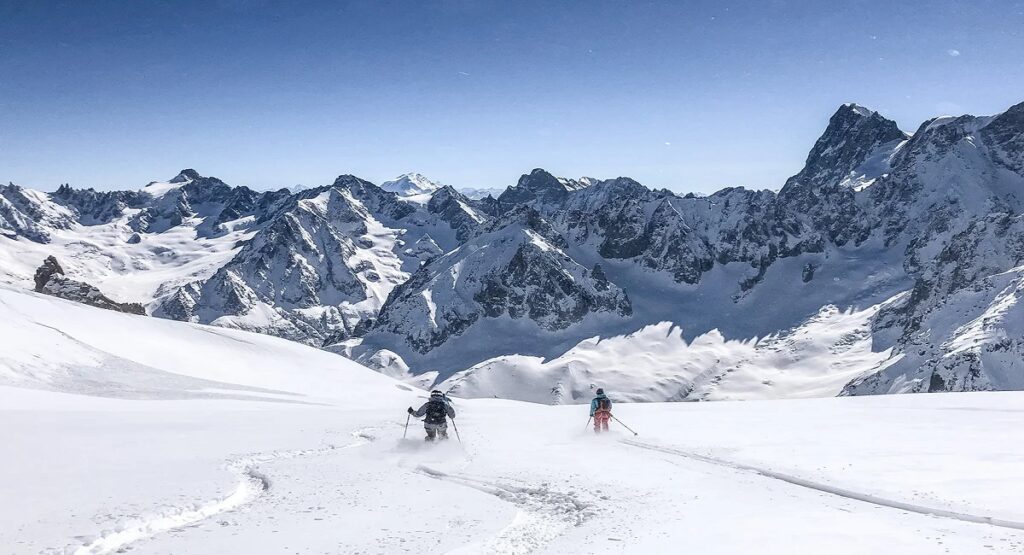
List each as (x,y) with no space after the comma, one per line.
(436,412)
(604,404)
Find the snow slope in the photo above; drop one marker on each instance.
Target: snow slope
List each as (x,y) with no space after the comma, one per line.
(814,360)
(61,346)
(118,438)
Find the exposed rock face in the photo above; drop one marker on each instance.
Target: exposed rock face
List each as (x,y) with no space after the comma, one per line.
(853,135)
(960,328)
(28,214)
(186,175)
(516,270)
(452,207)
(49,268)
(93,207)
(1005,134)
(535,284)
(539,186)
(50,279)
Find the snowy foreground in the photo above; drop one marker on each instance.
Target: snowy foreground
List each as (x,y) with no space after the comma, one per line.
(126,433)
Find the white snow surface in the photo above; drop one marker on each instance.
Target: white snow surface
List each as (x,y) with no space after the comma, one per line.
(127,433)
(656,362)
(102,256)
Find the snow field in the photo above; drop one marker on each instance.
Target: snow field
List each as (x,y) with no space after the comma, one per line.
(212,440)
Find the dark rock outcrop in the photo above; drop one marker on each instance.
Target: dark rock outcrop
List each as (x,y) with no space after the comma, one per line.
(50,279)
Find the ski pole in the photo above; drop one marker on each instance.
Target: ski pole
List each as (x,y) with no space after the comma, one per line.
(623,425)
(588,423)
(456,426)
(406,432)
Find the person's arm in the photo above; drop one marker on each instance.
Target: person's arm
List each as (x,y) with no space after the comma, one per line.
(450,410)
(593,407)
(419,413)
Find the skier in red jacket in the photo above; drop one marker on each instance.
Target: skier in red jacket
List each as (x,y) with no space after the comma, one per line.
(601,411)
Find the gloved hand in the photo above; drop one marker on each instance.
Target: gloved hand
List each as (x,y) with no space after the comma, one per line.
(410,411)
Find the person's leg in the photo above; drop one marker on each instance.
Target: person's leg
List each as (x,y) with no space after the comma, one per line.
(443,432)
(597,423)
(430,434)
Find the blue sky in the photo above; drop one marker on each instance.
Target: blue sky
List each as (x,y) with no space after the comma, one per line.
(691,96)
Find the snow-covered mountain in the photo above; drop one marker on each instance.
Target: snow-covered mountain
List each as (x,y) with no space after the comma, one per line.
(324,261)
(516,270)
(890,263)
(410,184)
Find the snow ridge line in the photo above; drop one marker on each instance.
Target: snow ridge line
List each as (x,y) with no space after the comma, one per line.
(252,484)
(543,514)
(833,490)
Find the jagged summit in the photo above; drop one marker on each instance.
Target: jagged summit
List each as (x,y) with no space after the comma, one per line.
(853,135)
(448,190)
(346,180)
(536,185)
(857,109)
(188,174)
(849,116)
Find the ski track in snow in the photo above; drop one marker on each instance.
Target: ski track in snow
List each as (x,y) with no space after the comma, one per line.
(252,484)
(543,513)
(832,490)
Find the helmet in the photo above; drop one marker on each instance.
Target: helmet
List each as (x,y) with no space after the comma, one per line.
(600,391)
(436,393)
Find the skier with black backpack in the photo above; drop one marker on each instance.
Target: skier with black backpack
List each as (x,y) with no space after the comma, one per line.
(601,411)
(436,410)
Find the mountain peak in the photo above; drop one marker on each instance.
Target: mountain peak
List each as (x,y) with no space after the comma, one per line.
(447,191)
(536,185)
(856,109)
(852,134)
(537,177)
(186,175)
(346,180)
(444,195)
(409,184)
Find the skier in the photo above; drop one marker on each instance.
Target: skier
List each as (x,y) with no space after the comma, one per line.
(435,410)
(601,411)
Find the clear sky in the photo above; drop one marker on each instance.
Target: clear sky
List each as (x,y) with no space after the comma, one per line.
(691,96)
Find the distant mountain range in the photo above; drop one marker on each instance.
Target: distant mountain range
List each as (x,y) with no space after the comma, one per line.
(414,184)
(891,263)
(410,184)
